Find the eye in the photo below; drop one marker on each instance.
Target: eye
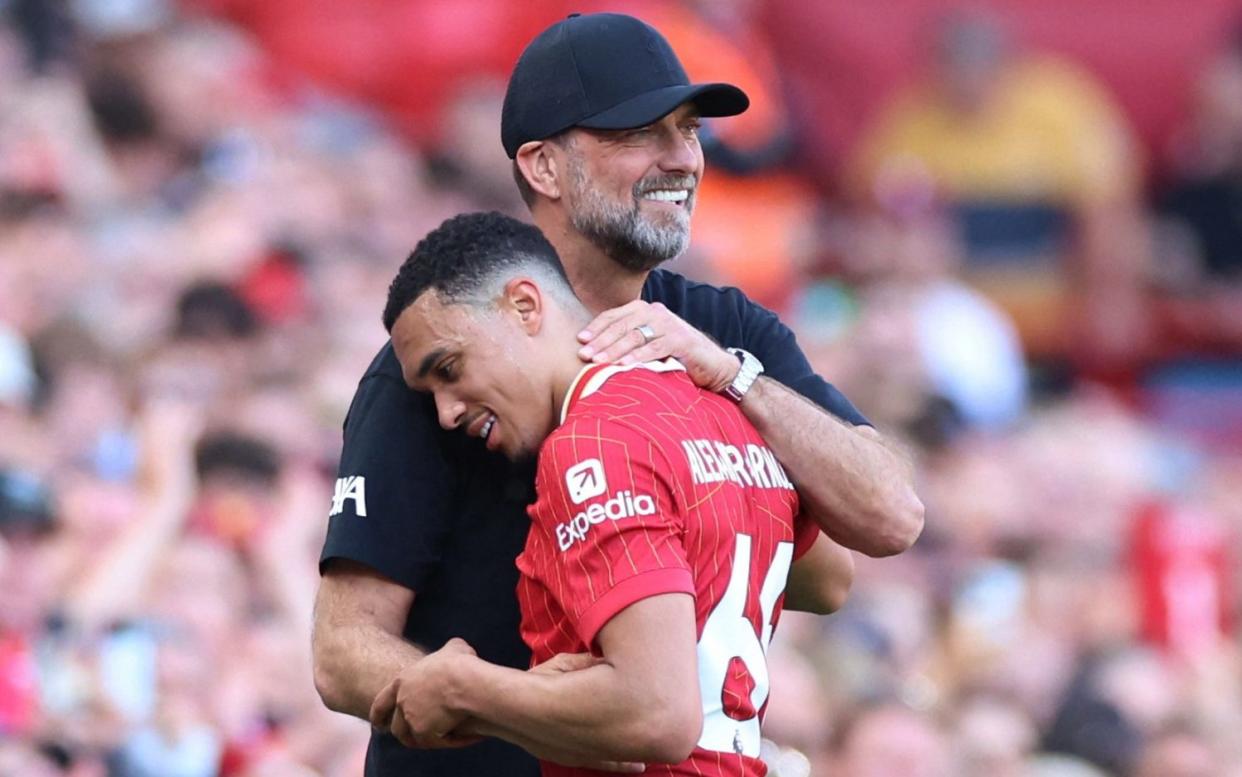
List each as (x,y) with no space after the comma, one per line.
(692,127)
(447,370)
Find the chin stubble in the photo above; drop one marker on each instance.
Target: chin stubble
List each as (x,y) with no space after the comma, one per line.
(623,234)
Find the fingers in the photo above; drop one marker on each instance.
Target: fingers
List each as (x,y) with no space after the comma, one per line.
(620,767)
(608,318)
(458,645)
(568,662)
(657,349)
(572,662)
(616,340)
(400,728)
(383,706)
(614,332)
(452,740)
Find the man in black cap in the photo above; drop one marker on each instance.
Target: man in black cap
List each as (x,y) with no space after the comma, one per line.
(602,124)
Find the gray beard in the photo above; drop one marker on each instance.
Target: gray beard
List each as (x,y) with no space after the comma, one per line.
(623,234)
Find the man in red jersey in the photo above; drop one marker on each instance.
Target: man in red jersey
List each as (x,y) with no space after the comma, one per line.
(663,535)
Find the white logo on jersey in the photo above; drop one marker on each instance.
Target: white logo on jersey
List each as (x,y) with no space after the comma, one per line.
(585,480)
(353,487)
(623,505)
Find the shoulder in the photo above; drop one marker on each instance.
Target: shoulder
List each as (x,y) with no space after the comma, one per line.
(724,312)
(596,431)
(383,373)
(383,401)
(638,397)
(595,424)
(676,291)
(385,365)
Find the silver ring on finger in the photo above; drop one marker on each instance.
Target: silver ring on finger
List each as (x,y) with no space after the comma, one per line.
(647,332)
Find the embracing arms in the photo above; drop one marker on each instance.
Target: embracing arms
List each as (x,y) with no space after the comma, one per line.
(856,487)
(640,701)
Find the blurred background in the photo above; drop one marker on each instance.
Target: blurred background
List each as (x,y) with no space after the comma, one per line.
(1011,232)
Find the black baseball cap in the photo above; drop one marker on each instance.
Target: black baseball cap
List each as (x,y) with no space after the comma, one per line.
(602,71)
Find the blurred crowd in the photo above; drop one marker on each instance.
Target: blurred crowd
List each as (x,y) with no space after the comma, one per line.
(195,247)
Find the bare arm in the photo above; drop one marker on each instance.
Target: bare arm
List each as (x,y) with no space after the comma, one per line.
(641,703)
(820,580)
(559,752)
(356,637)
(857,489)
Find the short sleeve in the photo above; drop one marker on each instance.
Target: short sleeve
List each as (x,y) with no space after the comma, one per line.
(390,504)
(608,516)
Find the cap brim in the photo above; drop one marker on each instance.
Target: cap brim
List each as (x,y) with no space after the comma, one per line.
(711,99)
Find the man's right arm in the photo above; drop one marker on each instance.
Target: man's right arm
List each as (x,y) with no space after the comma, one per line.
(356,641)
(388,520)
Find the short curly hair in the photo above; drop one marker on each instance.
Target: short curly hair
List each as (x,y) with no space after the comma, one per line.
(465,255)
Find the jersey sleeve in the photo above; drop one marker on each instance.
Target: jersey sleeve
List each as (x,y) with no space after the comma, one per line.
(390,505)
(608,514)
(775,345)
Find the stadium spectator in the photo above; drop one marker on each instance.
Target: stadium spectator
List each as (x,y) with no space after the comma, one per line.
(1043,177)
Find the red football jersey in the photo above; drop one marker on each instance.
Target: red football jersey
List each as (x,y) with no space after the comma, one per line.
(650,486)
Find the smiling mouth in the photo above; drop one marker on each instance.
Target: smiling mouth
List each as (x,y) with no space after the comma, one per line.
(675,196)
(481,425)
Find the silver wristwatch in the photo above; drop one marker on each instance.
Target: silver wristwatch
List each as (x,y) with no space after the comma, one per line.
(750,371)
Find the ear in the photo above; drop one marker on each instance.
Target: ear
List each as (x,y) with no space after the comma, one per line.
(540,166)
(524,297)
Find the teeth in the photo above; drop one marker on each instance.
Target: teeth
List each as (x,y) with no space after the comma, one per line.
(667,195)
(487,427)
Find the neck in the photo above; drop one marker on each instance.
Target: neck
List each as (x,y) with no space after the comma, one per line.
(563,363)
(597,280)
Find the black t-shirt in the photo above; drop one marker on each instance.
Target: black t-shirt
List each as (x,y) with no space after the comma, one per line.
(440,514)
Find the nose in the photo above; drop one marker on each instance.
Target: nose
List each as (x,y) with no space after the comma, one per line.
(450,410)
(680,153)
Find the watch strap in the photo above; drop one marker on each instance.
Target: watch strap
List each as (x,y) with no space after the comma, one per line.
(746,376)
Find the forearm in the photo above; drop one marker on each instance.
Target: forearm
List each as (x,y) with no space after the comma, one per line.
(858,490)
(591,713)
(353,663)
(557,752)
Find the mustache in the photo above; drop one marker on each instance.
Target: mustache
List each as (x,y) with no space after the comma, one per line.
(687,182)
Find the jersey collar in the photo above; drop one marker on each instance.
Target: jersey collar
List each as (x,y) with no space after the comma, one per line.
(591,377)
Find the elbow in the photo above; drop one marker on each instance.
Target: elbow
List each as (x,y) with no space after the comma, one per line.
(828,596)
(833,596)
(664,732)
(900,523)
(326,686)
(671,737)
(328,681)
